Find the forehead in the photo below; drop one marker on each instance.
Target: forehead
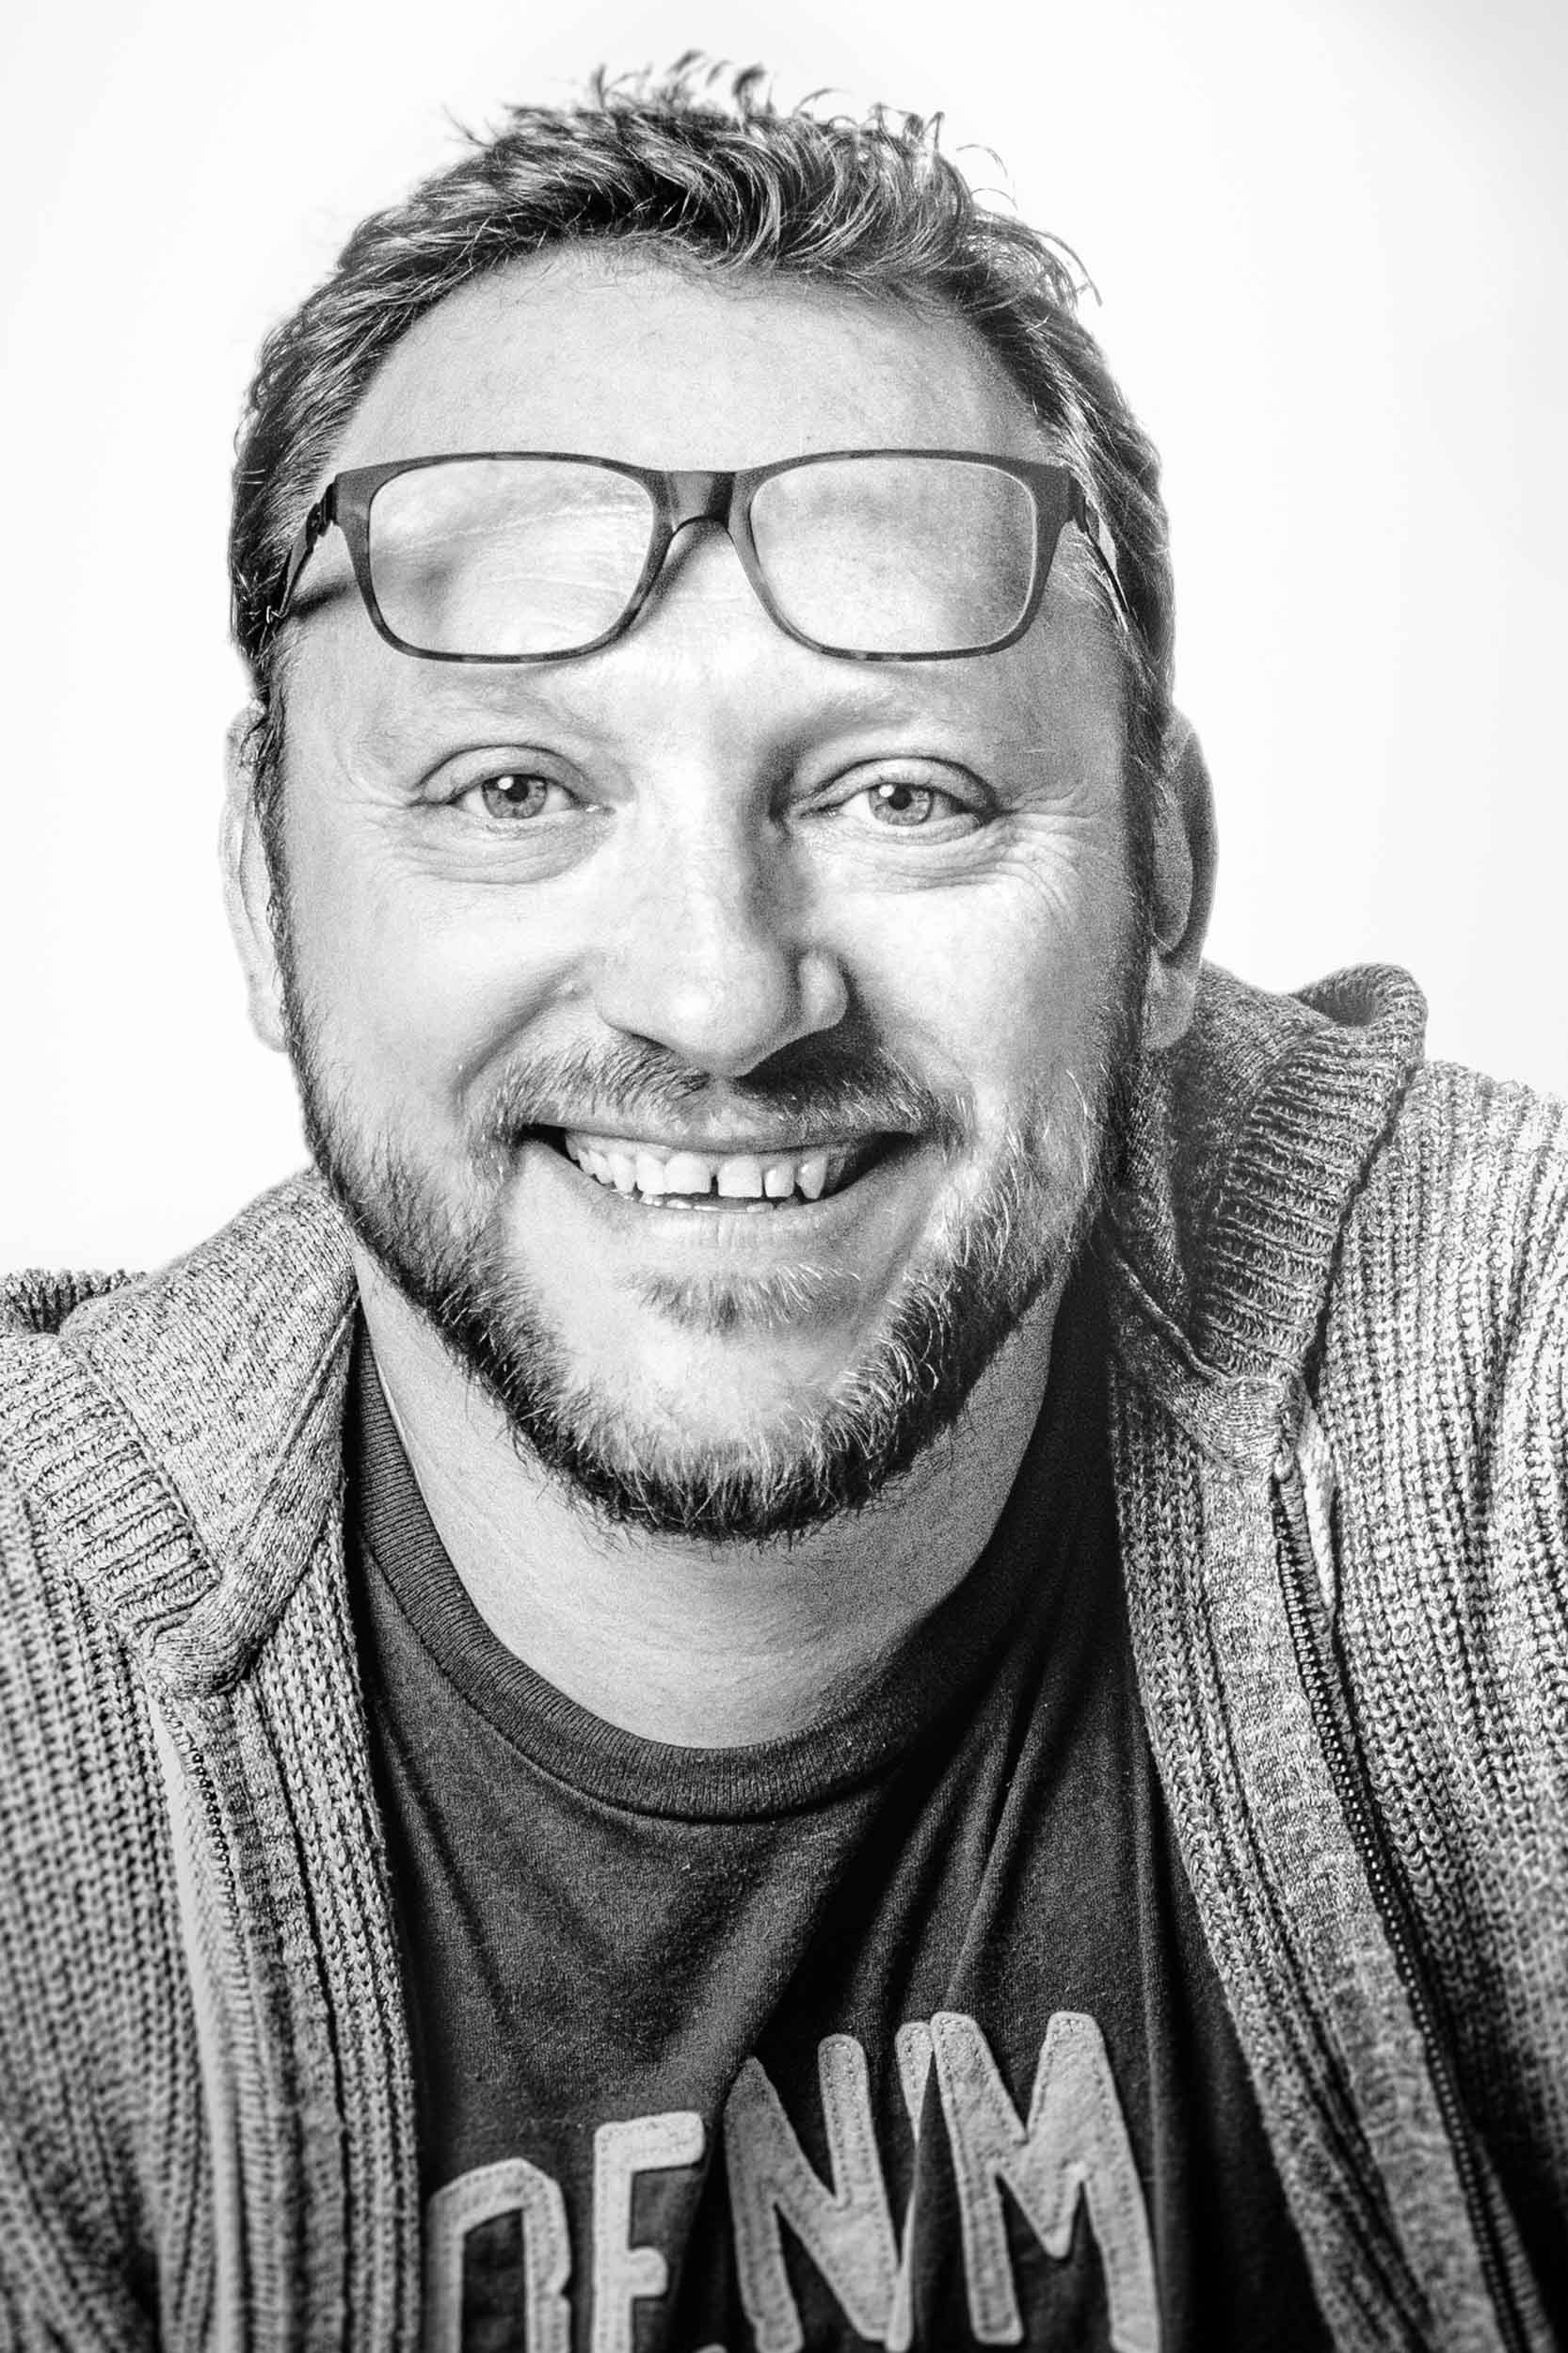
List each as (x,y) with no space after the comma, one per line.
(622,357)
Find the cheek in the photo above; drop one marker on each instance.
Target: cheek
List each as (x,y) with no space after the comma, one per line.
(411,987)
(1001,988)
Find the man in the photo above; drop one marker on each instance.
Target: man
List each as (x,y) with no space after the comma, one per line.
(856,1634)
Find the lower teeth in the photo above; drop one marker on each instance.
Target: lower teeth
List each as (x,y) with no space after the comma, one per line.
(725,1200)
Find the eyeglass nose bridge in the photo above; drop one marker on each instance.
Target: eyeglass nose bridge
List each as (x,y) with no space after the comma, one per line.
(703,495)
(692,495)
(700,495)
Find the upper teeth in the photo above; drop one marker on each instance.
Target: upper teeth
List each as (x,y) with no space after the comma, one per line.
(735,1175)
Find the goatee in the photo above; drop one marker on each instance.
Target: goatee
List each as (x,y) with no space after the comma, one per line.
(996,1255)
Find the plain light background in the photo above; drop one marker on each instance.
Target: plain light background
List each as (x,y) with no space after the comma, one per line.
(1330,242)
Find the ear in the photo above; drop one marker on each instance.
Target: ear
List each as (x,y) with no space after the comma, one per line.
(247,885)
(1184,853)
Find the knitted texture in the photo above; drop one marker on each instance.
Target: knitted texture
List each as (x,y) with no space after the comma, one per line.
(208,2114)
(1397,1265)
(1339,1280)
(1453,1499)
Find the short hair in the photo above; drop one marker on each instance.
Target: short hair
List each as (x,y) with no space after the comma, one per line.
(700,175)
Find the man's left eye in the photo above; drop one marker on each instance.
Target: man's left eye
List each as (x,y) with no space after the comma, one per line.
(516,795)
(904,803)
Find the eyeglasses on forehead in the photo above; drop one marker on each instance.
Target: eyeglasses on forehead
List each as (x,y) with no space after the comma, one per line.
(543,555)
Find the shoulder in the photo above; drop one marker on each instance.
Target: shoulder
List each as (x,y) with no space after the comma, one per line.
(1457,1130)
(1459,1234)
(175,1354)
(174,1440)
(1310,1199)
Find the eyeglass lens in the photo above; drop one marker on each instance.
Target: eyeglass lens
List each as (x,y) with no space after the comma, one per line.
(509,556)
(896,554)
(505,555)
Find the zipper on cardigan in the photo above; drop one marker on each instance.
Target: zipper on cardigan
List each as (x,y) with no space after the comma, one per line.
(1303,1615)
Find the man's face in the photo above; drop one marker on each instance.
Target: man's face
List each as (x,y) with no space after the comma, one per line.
(714,1036)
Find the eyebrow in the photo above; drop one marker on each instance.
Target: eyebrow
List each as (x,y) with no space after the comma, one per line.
(864,693)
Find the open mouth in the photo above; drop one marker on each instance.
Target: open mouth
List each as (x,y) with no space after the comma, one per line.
(679,1179)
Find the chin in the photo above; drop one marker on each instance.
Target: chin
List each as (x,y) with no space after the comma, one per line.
(742,1385)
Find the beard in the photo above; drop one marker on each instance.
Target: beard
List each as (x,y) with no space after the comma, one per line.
(997,1249)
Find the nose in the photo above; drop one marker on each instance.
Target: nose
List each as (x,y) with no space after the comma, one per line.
(705,947)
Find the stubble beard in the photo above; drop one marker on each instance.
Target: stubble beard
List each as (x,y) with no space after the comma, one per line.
(995,1256)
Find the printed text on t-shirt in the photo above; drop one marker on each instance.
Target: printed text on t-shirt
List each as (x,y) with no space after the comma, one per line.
(1071,2145)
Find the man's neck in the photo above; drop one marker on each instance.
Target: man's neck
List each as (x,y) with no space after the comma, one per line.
(700,1644)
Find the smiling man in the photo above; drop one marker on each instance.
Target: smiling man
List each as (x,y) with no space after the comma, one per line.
(851,1633)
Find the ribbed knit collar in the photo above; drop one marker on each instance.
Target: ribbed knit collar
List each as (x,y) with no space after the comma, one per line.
(183,1443)
(1249,1142)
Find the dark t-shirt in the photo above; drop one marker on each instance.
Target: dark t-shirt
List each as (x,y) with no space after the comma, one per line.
(899,2031)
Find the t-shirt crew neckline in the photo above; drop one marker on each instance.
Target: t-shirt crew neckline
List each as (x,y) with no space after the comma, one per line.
(942,1664)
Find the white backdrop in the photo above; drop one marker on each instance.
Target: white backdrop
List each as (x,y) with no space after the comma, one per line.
(1330,240)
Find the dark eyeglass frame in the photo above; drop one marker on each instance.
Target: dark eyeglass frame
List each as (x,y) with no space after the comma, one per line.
(685,496)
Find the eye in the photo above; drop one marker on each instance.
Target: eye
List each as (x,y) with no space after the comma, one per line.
(900,803)
(912,805)
(517,795)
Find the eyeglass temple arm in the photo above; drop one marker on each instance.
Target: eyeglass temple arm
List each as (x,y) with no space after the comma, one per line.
(322,515)
(1086,515)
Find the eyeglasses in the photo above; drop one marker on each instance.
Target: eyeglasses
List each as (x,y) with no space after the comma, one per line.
(871,555)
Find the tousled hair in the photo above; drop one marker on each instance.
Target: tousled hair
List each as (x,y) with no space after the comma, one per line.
(705,172)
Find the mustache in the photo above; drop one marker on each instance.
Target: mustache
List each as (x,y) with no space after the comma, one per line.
(811,1092)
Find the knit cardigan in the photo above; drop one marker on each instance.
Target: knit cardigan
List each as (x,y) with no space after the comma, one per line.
(1338,1286)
